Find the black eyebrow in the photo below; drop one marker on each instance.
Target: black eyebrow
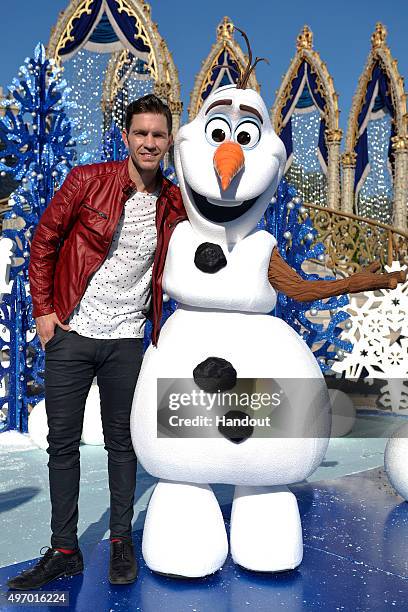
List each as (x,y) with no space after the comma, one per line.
(219,103)
(143,131)
(244,107)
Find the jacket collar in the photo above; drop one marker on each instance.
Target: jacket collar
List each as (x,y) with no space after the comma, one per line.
(128,185)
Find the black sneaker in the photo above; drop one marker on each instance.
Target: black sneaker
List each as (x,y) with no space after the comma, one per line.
(53,564)
(123,567)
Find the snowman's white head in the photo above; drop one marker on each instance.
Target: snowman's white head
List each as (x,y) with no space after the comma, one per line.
(229,162)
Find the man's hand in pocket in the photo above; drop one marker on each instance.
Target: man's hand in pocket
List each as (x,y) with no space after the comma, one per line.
(46,327)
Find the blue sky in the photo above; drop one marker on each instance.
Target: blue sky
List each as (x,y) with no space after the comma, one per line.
(341,30)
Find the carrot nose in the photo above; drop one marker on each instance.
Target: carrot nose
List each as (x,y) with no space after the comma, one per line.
(228,161)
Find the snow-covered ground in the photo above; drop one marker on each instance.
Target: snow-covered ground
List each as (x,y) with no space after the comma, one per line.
(13,441)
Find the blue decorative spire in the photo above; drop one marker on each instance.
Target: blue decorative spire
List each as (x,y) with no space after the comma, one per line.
(113,148)
(39,151)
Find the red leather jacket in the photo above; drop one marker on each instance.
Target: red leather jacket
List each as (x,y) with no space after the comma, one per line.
(75,232)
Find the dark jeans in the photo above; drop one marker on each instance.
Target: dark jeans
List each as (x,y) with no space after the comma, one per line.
(71,363)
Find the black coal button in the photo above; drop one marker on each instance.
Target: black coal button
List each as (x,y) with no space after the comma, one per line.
(215,374)
(238,431)
(209,258)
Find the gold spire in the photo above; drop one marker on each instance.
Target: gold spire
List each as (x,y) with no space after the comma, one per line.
(225,29)
(379,36)
(305,39)
(146,8)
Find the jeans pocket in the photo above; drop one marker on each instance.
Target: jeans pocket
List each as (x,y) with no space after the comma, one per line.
(52,339)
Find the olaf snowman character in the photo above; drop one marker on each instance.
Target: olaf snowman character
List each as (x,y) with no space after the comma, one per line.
(224,273)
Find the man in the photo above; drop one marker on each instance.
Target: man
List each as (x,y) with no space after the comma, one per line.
(99,245)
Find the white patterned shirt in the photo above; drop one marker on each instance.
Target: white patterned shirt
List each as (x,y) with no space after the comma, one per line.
(119,292)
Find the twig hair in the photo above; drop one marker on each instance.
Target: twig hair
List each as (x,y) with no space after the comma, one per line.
(242,82)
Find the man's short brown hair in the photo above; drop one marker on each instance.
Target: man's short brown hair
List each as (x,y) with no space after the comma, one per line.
(148,104)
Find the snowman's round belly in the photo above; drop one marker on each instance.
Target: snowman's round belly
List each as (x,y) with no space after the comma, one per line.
(258,347)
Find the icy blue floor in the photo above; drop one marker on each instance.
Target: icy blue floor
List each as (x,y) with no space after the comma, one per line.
(356,537)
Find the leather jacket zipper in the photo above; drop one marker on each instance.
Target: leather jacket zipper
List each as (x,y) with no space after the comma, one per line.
(100,213)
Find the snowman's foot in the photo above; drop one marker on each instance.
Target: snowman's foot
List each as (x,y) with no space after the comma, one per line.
(184,533)
(266,533)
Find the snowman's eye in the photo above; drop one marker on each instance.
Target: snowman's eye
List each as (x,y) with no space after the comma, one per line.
(247,134)
(217,131)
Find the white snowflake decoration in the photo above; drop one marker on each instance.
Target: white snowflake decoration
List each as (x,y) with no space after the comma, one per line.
(6,253)
(378,330)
